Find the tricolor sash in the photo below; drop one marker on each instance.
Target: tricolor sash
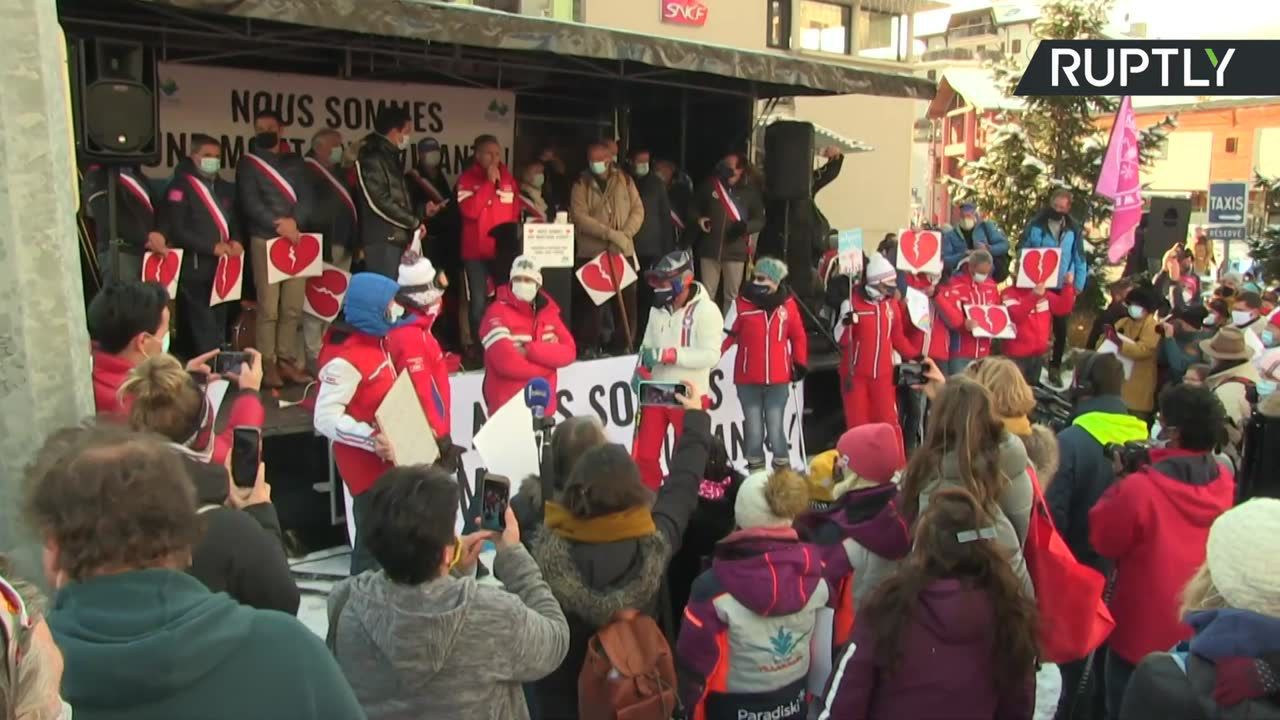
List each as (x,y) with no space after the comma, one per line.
(532,209)
(135,188)
(274,175)
(731,210)
(211,204)
(333,181)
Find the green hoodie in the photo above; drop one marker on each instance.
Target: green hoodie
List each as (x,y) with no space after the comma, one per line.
(157,645)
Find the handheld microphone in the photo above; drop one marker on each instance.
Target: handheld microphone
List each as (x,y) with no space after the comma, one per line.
(537,396)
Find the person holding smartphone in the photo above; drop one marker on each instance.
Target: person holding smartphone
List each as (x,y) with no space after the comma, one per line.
(356,373)
(241,551)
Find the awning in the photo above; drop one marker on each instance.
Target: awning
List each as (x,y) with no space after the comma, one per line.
(444,33)
(825,136)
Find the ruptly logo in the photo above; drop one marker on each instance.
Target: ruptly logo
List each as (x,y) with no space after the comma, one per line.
(1152,67)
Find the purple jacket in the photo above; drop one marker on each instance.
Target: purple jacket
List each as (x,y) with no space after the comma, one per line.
(945,671)
(863,533)
(744,641)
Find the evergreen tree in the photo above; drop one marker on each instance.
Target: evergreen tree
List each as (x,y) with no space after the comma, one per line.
(1050,142)
(1264,240)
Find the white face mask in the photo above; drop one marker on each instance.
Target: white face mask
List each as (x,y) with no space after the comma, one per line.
(642,169)
(395,311)
(980,277)
(431,158)
(874,293)
(404,142)
(524,291)
(1241,317)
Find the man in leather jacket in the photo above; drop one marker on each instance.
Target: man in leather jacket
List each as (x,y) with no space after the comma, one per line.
(387,217)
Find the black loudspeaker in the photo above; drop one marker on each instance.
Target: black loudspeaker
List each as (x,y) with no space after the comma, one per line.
(788,160)
(117,115)
(1166,225)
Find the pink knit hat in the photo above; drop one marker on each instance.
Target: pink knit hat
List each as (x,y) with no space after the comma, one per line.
(872,452)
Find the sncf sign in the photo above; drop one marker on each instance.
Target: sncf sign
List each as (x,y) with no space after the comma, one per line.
(684,12)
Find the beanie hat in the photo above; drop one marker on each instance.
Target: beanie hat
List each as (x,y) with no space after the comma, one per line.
(880,272)
(772,268)
(526,267)
(771,499)
(1244,556)
(872,452)
(822,480)
(426,145)
(416,272)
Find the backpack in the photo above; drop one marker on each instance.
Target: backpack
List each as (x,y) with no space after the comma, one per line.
(629,672)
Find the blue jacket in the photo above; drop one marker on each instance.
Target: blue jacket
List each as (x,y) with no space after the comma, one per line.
(1037,235)
(955,247)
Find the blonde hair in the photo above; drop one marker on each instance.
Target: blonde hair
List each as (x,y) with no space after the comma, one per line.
(165,399)
(1010,393)
(787,493)
(1201,593)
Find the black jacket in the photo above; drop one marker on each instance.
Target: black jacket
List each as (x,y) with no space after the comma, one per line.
(594,581)
(185,219)
(724,230)
(136,211)
(241,552)
(262,201)
(335,217)
(657,235)
(444,230)
(1085,473)
(1110,315)
(386,210)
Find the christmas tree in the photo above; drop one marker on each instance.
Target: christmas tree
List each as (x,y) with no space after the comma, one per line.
(1050,142)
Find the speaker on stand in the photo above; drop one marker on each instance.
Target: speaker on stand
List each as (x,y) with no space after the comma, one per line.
(1167,224)
(116,113)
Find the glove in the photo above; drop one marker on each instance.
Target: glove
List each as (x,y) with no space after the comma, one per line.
(450,454)
(798,372)
(736,229)
(1240,679)
(668,357)
(649,358)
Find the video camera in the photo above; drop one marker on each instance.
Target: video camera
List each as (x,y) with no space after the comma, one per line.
(1128,458)
(1052,409)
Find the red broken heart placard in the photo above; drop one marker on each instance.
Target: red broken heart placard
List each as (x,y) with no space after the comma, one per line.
(920,251)
(597,276)
(228,280)
(287,260)
(164,269)
(992,321)
(1040,265)
(325,291)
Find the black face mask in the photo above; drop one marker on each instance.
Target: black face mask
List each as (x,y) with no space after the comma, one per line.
(267,140)
(1055,215)
(755,292)
(724,172)
(664,298)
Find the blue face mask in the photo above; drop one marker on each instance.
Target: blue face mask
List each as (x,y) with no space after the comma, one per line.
(1136,312)
(1269,338)
(599,168)
(1265,388)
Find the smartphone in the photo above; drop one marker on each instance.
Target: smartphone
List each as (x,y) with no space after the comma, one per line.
(229,361)
(495,497)
(908,374)
(246,455)
(653,392)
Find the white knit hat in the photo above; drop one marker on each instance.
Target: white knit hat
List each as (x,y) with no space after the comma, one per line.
(1244,556)
(770,498)
(880,272)
(526,267)
(1268,365)
(419,272)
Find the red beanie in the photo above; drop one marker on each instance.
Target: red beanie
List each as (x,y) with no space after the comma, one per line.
(872,452)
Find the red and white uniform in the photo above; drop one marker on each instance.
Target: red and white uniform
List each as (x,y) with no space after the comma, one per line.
(1033,318)
(957,294)
(355,375)
(868,343)
(936,342)
(414,349)
(521,344)
(693,333)
(485,205)
(770,342)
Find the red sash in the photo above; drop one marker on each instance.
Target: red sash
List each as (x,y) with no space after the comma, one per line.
(333,181)
(533,209)
(675,218)
(135,188)
(211,204)
(428,187)
(731,210)
(281,184)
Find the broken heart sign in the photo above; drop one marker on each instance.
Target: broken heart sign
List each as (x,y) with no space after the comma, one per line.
(228,280)
(324,293)
(1041,265)
(992,321)
(920,251)
(163,268)
(287,260)
(605,275)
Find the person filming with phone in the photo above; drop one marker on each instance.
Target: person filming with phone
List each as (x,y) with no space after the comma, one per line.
(681,345)
(241,552)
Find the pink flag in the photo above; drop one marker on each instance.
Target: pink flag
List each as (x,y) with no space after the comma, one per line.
(1119,181)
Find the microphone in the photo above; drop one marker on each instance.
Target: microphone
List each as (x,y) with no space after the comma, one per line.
(537,396)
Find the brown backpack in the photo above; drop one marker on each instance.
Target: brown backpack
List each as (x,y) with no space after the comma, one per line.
(629,672)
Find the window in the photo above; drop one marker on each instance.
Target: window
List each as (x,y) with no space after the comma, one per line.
(779,24)
(1232,145)
(825,26)
(1015,46)
(982,49)
(932,75)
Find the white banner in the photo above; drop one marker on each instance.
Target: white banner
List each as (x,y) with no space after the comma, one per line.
(221,102)
(603,388)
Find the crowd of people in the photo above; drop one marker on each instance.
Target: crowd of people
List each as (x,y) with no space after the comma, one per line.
(908,572)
